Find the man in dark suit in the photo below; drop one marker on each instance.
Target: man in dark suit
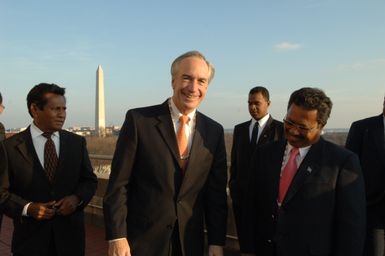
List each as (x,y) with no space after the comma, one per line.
(309,196)
(261,129)
(2,137)
(366,139)
(168,173)
(46,179)
(2,129)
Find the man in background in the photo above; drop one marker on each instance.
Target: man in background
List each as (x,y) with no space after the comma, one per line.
(308,193)
(366,139)
(169,173)
(261,129)
(46,180)
(2,129)
(2,137)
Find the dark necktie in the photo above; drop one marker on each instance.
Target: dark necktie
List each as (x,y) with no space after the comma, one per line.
(254,135)
(50,156)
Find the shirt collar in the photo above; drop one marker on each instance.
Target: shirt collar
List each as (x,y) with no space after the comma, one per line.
(175,113)
(262,121)
(35,131)
(302,151)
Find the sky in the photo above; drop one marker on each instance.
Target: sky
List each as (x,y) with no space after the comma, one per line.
(335,45)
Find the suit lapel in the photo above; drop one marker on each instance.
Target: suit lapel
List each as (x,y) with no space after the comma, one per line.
(310,165)
(63,153)
(26,148)
(196,154)
(263,138)
(166,130)
(245,136)
(378,136)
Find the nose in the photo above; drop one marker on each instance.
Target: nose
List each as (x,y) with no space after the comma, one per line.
(193,85)
(62,113)
(293,130)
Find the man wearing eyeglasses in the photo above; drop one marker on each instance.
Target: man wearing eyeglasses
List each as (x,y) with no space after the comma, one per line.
(308,193)
(261,129)
(366,139)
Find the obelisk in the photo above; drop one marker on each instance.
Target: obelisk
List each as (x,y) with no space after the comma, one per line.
(100,121)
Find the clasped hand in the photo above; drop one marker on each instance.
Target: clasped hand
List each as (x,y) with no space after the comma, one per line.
(46,211)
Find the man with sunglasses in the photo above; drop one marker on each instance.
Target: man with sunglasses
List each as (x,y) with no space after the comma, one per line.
(308,193)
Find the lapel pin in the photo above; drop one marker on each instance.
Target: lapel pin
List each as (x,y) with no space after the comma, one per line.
(309,170)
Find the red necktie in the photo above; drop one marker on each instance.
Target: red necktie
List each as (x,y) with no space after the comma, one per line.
(50,156)
(288,174)
(182,141)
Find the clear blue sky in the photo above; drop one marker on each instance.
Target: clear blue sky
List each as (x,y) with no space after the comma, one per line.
(338,46)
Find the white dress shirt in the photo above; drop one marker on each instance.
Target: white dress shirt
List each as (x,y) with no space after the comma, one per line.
(261,125)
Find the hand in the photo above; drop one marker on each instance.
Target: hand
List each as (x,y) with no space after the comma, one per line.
(67,205)
(119,248)
(41,211)
(215,250)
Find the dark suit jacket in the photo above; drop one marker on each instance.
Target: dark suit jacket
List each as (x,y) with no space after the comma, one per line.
(366,139)
(23,180)
(240,165)
(323,212)
(146,194)
(2,132)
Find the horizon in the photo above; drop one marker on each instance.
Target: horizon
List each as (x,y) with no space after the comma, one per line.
(338,47)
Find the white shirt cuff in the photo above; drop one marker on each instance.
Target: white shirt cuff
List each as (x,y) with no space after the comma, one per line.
(24,212)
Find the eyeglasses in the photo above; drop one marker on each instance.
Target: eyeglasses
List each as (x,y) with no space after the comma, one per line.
(301,128)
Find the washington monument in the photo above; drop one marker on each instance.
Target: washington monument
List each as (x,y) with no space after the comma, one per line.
(100,121)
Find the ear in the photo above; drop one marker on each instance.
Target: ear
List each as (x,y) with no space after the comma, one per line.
(172,83)
(34,109)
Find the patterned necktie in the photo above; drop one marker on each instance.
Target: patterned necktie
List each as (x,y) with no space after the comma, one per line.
(50,156)
(288,174)
(254,135)
(182,141)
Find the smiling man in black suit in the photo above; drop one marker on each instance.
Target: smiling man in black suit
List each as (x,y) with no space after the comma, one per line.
(168,174)
(46,180)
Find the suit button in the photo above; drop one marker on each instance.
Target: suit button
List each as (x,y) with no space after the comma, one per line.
(269,241)
(169,226)
(179,202)
(273,216)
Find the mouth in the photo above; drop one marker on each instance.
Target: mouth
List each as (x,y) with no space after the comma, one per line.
(190,96)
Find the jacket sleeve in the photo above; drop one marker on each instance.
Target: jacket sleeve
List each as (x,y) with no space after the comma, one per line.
(350,219)
(216,196)
(87,180)
(354,139)
(115,199)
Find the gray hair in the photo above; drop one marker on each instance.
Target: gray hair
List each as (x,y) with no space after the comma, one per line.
(174,65)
